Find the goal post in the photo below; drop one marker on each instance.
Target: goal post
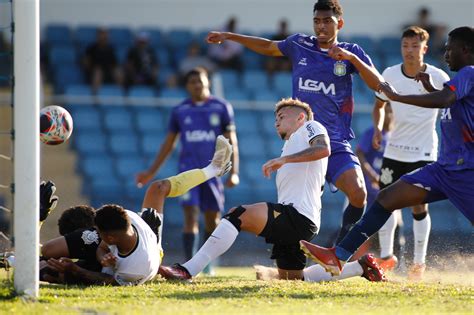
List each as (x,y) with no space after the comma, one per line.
(26,98)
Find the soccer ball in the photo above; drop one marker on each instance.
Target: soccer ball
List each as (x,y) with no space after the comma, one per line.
(55,125)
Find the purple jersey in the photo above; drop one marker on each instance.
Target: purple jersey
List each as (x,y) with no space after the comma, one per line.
(324,83)
(457,124)
(199,126)
(373,157)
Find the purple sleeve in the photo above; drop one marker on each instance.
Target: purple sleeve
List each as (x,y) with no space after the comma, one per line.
(461,84)
(359,52)
(174,123)
(286,45)
(228,117)
(365,144)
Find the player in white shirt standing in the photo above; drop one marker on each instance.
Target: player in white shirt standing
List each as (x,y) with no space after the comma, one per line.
(300,176)
(413,142)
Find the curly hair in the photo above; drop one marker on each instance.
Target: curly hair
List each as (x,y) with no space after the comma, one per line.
(326,5)
(291,102)
(74,218)
(464,35)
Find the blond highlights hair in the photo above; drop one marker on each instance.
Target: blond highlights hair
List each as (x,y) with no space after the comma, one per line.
(291,102)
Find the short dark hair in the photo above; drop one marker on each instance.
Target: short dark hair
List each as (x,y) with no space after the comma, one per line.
(74,218)
(416,31)
(111,217)
(195,71)
(326,5)
(464,35)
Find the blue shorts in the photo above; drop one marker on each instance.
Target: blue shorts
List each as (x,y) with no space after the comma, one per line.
(207,196)
(457,186)
(341,159)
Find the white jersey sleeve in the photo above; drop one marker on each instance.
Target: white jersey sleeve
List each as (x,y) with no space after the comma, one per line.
(313,129)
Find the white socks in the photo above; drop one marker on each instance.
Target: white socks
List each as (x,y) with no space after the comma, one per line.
(218,243)
(210,171)
(386,236)
(316,273)
(421,233)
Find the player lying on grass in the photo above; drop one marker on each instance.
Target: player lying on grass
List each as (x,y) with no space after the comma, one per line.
(451,177)
(127,248)
(300,178)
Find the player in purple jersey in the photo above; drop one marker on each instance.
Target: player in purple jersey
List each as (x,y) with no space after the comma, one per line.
(451,177)
(197,121)
(322,77)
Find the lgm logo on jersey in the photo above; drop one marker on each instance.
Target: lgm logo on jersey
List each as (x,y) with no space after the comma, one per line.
(316,86)
(200,135)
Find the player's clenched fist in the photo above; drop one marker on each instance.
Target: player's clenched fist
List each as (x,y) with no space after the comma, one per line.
(272,166)
(339,53)
(215,37)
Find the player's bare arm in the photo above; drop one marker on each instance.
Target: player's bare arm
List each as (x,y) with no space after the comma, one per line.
(369,74)
(425,79)
(439,99)
(166,148)
(66,265)
(233,178)
(319,149)
(378,116)
(258,44)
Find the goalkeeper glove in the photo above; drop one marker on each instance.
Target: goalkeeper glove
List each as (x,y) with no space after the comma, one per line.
(48,200)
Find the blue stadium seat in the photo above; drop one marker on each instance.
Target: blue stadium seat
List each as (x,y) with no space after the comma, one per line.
(117,119)
(230,79)
(268,123)
(367,43)
(267,96)
(389,45)
(391,60)
(105,190)
(361,122)
(128,166)
(255,80)
(174,93)
(151,142)
(252,60)
(163,57)
(121,51)
(252,146)
(237,95)
(179,38)
(274,146)
(97,167)
(67,75)
(141,95)
(58,34)
(282,81)
(252,169)
(247,121)
(164,74)
(364,97)
(125,144)
(120,36)
(86,118)
(89,142)
(85,34)
(110,94)
(62,54)
(149,120)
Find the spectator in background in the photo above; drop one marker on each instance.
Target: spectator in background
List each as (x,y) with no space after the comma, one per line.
(141,67)
(282,63)
(198,121)
(436,31)
(228,53)
(195,59)
(100,62)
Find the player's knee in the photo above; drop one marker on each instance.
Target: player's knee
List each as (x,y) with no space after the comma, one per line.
(357,196)
(159,187)
(233,216)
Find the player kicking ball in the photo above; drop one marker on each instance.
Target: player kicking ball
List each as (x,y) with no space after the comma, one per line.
(300,178)
(451,177)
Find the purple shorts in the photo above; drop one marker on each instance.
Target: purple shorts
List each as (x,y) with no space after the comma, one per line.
(209,196)
(457,186)
(341,159)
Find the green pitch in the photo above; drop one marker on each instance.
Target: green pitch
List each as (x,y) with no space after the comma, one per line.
(235,291)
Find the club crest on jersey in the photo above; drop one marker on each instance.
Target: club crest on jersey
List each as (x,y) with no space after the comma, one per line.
(89,237)
(339,68)
(214,120)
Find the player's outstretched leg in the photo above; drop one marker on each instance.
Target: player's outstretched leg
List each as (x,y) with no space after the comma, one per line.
(396,196)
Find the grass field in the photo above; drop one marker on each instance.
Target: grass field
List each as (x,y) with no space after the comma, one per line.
(235,291)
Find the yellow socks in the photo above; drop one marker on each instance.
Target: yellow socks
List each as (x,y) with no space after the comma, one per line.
(183,182)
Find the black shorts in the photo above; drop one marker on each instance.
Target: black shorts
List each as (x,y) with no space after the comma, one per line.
(392,170)
(82,244)
(284,229)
